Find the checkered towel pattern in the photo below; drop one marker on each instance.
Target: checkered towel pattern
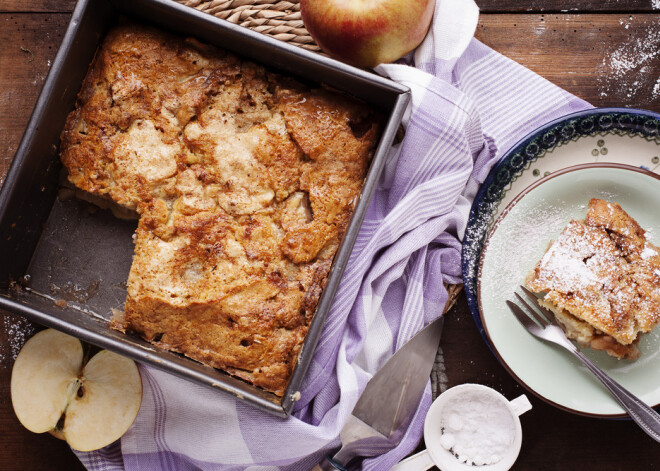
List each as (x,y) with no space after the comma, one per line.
(469,106)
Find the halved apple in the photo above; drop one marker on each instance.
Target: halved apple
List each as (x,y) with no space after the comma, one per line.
(89,405)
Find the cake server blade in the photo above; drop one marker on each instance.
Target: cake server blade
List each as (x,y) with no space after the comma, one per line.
(387,405)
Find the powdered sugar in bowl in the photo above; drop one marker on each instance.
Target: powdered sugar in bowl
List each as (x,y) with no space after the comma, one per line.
(468,428)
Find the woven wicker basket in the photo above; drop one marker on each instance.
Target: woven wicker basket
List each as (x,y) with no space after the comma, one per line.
(279,19)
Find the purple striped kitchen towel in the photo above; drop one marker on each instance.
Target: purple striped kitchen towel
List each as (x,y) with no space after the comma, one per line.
(469,105)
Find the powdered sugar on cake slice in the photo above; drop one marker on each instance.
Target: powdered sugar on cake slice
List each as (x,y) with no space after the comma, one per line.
(601,276)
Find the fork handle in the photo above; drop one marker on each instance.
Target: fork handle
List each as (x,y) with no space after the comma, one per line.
(646,418)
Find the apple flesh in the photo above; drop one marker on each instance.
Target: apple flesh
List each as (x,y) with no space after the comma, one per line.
(366,33)
(89,405)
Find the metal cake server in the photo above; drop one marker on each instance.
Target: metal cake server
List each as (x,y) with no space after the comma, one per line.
(386,407)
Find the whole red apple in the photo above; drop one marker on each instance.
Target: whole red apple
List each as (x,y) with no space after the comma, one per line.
(366,33)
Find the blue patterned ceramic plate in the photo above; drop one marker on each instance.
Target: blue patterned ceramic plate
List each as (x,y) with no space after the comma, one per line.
(518,240)
(625,136)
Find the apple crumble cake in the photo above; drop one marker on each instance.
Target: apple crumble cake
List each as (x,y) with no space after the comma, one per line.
(244,182)
(601,279)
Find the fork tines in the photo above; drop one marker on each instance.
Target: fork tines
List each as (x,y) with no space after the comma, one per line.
(534,309)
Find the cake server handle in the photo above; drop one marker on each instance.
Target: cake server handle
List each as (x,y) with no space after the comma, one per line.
(643,415)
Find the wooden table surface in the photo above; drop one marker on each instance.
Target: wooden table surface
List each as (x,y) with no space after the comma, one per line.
(604,51)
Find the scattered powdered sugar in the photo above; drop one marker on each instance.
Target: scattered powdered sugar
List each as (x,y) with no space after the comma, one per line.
(628,71)
(655,4)
(476,428)
(564,261)
(515,248)
(472,241)
(574,263)
(648,252)
(587,271)
(17,330)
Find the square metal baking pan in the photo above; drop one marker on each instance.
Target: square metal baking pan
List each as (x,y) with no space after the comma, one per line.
(54,249)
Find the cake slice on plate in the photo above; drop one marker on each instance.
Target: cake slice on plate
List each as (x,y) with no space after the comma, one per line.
(601,279)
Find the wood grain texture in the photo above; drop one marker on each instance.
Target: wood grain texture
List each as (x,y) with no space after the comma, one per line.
(486,6)
(607,59)
(29,44)
(575,6)
(37,5)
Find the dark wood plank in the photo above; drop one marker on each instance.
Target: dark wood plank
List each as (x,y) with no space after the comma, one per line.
(18,6)
(30,43)
(575,6)
(606,59)
(486,6)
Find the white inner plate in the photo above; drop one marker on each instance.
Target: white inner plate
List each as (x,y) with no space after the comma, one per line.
(517,241)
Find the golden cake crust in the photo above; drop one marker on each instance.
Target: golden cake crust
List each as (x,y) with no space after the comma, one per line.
(244,182)
(601,277)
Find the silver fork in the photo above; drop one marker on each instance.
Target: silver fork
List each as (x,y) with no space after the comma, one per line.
(541,323)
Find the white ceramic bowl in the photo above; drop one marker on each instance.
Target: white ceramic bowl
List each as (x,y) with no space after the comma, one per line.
(436,454)
(446,460)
